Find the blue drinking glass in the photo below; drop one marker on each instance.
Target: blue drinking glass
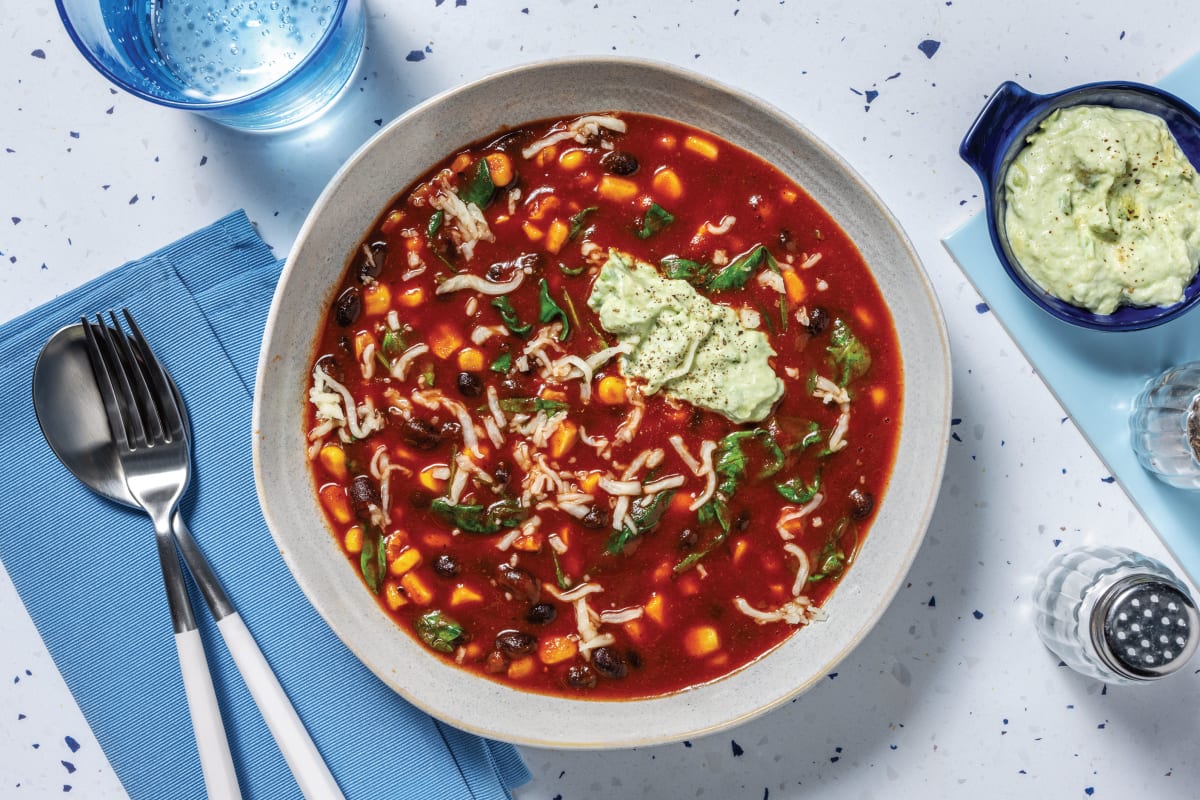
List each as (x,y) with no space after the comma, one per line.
(250,64)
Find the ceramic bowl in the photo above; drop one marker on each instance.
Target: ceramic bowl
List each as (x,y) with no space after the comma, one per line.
(388,163)
(1010,115)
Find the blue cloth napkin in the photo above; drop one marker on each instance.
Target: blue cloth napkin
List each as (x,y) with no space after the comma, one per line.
(88,573)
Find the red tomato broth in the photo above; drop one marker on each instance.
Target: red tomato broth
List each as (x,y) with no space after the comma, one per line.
(669,649)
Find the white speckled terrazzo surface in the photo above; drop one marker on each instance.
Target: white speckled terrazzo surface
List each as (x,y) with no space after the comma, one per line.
(952,695)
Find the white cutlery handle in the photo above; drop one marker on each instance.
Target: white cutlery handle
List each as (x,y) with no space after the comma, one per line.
(220,779)
(301,754)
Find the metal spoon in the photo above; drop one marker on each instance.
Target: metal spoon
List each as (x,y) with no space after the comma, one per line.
(71,416)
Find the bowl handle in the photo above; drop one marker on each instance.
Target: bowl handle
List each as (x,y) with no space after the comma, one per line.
(1001,115)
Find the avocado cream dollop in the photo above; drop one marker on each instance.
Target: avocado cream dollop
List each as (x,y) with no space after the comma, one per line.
(683,343)
(1104,209)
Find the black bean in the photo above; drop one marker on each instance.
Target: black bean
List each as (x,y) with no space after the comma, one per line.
(516,643)
(348,307)
(495,273)
(447,566)
(609,663)
(502,474)
(580,676)
(371,265)
(595,518)
(619,162)
(420,434)
(469,384)
(635,659)
(787,241)
(818,320)
(363,494)
(419,499)
(519,582)
(861,503)
(541,614)
(688,539)
(742,522)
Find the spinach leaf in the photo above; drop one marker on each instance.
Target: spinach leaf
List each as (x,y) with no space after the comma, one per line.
(577,222)
(654,220)
(797,491)
(832,559)
(571,272)
(532,405)
(643,516)
(392,344)
(847,352)
(685,269)
(508,315)
(479,188)
(548,310)
(439,631)
(481,519)
(373,559)
(560,577)
(502,364)
(435,223)
(736,273)
(429,376)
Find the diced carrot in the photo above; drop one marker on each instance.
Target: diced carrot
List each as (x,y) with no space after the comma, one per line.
(377,300)
(542,205)
(557,649)
(460,162)
(416,589)
(556,237)
(654,608)
(689,584)
(393,221)
(521,668)
(361,340)
(611,390)
(532,232)
(563,438)
(636,630)
(878,396)
(788,195)
(571,159)
(739,550)
(681,502)
(333,458)
(529,542)
(589,482)
(558,395)
(438,540)
(334,498)
(411,298)
(463,594)
(353,540)
(475,650)
(500,166)
(470,360)
(409,557)
(701,641)
(617,189)
(396,541)
(794,287)
(666,182)
(444,340)
(865,317)
(703,147)
(394,597)
(662,572)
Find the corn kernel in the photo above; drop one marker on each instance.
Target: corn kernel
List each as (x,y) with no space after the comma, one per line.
(545,155)
(653,608)
(353,540)
(361,340)
(667,141)
(333,458)
(666,182)
(393,221)
(636,630)
(794,287)
(553,394)
(333,497)
(500,167)
(701,641)
(416,589)
(865,317)
(521,667)
(662,572)
(464,594)
(460,162)
(438,540)
(444,340)
(788,196)
(394,597)
(470,360)
(411,298)
(739,550)
(556,237)
(571,159)
(611,390)
(531,231)
(563,438)
(617,189)
(702,147)
(430,481)
(590,481)
(556,649)
(408,558)
(377,300)
(529,542)
(878,396)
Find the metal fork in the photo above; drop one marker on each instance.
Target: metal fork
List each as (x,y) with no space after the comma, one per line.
(139,390)
(153,451)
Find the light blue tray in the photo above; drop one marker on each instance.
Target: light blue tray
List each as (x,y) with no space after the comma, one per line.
(1096,375)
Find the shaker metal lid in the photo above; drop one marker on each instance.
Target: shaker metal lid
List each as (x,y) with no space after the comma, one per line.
(1145,628)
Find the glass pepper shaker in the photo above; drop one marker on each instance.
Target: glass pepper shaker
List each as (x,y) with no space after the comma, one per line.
(1165,426)
(1115,615)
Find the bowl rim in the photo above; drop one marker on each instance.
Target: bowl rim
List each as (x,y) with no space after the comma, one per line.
(1028,109)
(918,522)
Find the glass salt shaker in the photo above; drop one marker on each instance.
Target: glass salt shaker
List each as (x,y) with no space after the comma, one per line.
(1165,426)
(1115,615)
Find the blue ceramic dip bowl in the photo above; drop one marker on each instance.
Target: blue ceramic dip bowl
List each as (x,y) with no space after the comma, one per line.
(997,136)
